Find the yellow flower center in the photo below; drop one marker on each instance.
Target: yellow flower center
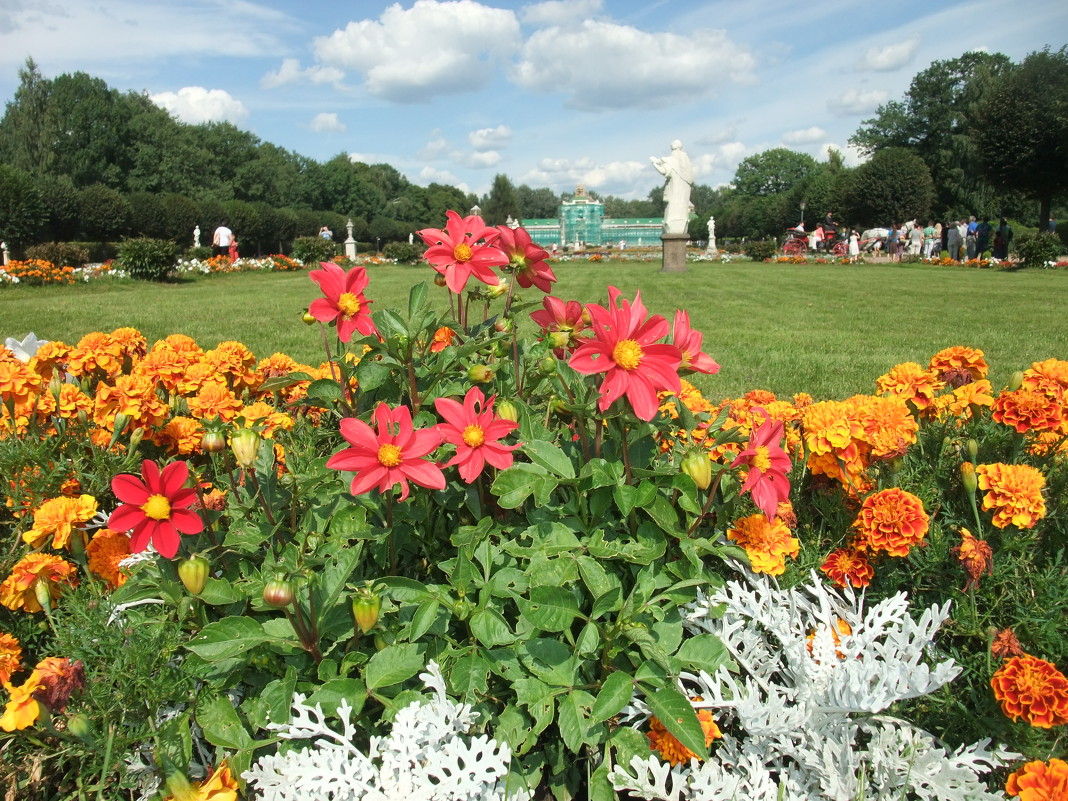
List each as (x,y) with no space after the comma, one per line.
(389,455)
(348,304)
(761,459)
(157,507)
(474,436)
(462,252)
(627,354)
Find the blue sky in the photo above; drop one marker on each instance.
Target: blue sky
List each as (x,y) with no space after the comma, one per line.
(550,93)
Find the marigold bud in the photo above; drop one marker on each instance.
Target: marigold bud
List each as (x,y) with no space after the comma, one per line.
(697,466)
(1016,381)
(136,437)
(245,443)
(973,450)
(968,477)
(81,727)
(43,593)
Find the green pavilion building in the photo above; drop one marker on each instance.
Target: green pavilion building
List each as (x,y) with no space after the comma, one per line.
(580,220)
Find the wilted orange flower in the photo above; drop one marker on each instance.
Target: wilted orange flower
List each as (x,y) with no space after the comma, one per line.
(785,513)
(18,592)
(57,518)
(180,436)
(1028,410)
(891,520)
(1014,492)
(1005,644)
(105,551)
(670,749)
(10,657)
(214,400)
(1033,690)
(802,399)
(959,365)
(443,337)
(848,566)
(58,677)
(911,382)
(1040,781)
(22,708)
(975,557)
(767,543)
(95,352)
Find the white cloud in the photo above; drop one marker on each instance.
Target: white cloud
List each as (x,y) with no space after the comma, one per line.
(727,134)
(853,102)
(485,158)
(432,48)
(195,105)
(603,65)
(327,123)
(805,136)
(290,72)
(490,138)
(430,175)
(889,58)
(434,149)
(561,12)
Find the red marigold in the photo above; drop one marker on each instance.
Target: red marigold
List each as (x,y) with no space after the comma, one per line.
(1014,492)
(891,520)
(1033,690)
(1028,410)
(58,678)
(1040,781)
(848,566)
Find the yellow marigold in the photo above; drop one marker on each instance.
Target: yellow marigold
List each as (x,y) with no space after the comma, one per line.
(767,543)
(214,400)
(132,395)
(1033,690)
(911,382)
(72,401)
(1028,410)
(889,428)
(57,518)
(180,436)
(96,352)
(670,749)
(975,557)
(237,363)
(964,401)
(18,384)
(959,365)
(22,709)
(1048,376)
(1040,781)
(1013,492)
(197,376)
(18,591)
(10,657)
(848,566)
(891,520)
(105,551)
(163,365)
(266,418)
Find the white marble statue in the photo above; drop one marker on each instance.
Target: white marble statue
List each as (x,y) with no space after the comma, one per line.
(196,237)
(677,169)
(711,249)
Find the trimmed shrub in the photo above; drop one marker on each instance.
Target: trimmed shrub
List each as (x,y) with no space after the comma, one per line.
(99,252)
(201,253)
(1038,249)
(760,249)
(147,259)
(403,253)
(61,254)
(313,249)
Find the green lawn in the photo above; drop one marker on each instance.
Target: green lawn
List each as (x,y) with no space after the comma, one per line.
(829,330)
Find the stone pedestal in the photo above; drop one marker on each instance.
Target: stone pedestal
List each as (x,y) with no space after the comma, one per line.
(674,252)
(350,243)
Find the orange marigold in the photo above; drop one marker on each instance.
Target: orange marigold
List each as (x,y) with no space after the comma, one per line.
(1040,781)
(1005,644)
(18,590)
(22,709)
(164,365)
(1049,376)
(72,401)
(889,428)
(132,342)
(235,361)
(214,400)
(58,518)
(910,381)
(767,543)
(965,400)
(219,786)
(891,520)
(670,749)
(1033,690)
(94,352)
(105,551)
(265,418)
(848,566)
(443,337)
(975,557)
(1028,410)
(10,657)
(180,437)
(959,365)
(1013,492)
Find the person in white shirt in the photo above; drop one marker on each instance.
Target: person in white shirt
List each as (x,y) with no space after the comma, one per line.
(220,242)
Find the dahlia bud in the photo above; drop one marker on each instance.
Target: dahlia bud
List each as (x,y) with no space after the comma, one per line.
(559,339)
(1016,381)
(212,441)
(194,573)
(278,593)
(480,373)
(547,365)
(307,318)
(507,410)
(439,280)
(697,466)
(968,477)
(366,605)
(245,443)
(498,289)
(504,325)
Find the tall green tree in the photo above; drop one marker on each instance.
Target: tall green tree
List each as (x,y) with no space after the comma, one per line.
(893,186)
(24,130)
(501,203)
(22,211)
(773,172)
(1022,129)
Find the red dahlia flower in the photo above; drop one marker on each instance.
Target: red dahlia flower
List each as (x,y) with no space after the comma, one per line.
(624,347)
(456,253)
(688,342)
(154,507)
(562,319)
(390,455)
(526,258)
(768,465)
(475,430)
(344,301)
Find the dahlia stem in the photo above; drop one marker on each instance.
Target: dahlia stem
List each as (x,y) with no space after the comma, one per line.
(708,504)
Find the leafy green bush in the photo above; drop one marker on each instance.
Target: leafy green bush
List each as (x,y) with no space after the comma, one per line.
(403,253)
(312,249)
(760,249)
(61,254)
(98,252)
(1038,249)
(147,259)
(201,253)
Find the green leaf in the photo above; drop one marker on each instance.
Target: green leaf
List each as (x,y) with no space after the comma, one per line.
(333,692)
(325,389)
(550,660)
(704,652)
(274,702)
(392,665)
(609,602)
(664,515)
(467,677)
(625,497)
(602,473)
(572,718)
(219,592)
(595,577)
(330,582)
(550,457)
(516,484)
(389,323)
(491,628)
(423,619)
(371,374)
(222,727)
(227,638)
(589,640)
(674,710)
(549,608)
(350,522)
(406,590)
(416,299)
(615,694)
(279,382)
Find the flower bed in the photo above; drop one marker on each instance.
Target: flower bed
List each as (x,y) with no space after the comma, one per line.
(450,559)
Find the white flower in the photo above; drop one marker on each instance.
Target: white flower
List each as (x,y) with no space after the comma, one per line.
(27,348)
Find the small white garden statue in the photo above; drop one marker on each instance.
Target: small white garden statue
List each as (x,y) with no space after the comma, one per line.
(677,169)
(712,250)
(196,237)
